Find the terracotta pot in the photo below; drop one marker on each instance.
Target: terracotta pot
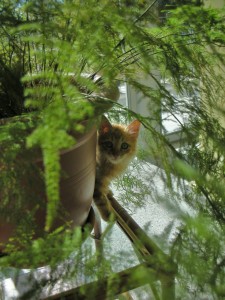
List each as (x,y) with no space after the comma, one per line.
(76,188)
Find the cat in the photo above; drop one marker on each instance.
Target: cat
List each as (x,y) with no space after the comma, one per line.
(116,146)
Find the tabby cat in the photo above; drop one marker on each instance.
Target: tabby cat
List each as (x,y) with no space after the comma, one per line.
(116,147)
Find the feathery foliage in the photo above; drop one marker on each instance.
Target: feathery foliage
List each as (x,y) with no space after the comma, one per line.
(59,64)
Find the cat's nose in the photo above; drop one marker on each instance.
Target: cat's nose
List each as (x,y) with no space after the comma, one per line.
(115,156)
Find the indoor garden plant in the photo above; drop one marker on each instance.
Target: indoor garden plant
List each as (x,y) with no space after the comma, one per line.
(59,62)
(54,97)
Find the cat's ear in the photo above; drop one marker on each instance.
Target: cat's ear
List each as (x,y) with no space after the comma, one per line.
(105,125)
(133,128)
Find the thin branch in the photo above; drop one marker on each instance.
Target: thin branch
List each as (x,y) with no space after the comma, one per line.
(145,12)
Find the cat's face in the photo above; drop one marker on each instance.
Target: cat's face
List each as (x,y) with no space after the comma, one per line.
(117,142)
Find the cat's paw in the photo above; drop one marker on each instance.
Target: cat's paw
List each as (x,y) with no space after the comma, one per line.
(109,194)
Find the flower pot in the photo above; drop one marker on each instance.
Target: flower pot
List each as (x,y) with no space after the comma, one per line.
(76,190)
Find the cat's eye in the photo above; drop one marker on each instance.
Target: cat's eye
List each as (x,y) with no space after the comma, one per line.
(108,145)
(124,146)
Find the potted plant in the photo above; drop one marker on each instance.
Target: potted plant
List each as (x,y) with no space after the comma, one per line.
(49,112)
(60,61)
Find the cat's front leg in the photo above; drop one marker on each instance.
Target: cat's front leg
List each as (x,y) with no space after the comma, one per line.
(109,194)
(103,205)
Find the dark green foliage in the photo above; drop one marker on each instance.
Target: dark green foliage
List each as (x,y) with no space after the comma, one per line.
(51,55)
